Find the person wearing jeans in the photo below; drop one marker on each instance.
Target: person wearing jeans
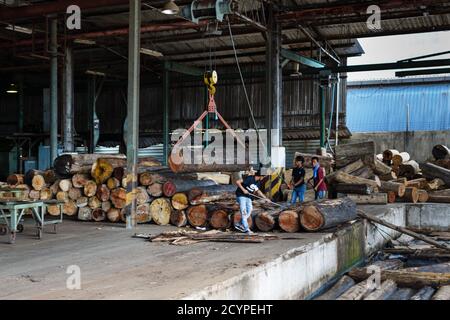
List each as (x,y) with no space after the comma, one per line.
(246,188)
(298,179)
(320,187)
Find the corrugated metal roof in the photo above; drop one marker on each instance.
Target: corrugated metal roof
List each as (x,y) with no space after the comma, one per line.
(399,107)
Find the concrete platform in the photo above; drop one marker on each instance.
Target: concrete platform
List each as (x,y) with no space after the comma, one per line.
(116,266)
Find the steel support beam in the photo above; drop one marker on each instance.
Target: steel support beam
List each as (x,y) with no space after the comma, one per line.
(183,69)
(69,109)
(292,56)
(53,90)
(133,109)
(274,83)
(166,120)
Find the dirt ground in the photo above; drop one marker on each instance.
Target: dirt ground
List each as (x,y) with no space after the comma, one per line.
(116,266)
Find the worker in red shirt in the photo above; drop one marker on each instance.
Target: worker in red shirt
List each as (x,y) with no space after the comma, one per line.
(319,184)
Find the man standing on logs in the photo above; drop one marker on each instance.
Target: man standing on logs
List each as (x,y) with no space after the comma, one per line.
(318,179)
(298,179)
(246,188)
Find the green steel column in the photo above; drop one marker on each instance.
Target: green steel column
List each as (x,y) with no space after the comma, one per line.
(133,109)
(54,90)
(322,117)
(166,120)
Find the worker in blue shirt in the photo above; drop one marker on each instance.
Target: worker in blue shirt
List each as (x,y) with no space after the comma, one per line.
(244,193)
(298,181)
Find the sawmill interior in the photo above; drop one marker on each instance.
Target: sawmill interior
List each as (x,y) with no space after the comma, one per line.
(146,137)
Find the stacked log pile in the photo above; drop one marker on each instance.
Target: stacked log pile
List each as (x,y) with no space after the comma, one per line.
(389,177)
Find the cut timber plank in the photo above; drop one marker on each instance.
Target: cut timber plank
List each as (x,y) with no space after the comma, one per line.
(375,198)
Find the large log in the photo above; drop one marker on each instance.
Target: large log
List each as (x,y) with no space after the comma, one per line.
(220,219)
(62,196)
(423,196)
(343,177)
(441,152)
(29,175)
(237,217)
(386,289)
(90,189)
(70,164)
(327,214)
(161,210)
(155,190)
(398,188)
(113,215)
(402,294)
(70,208)
(434,185)
(445,163)
(350,168)
(401,158)
(79,180)
(411,195)
(354,188)
(74,193)
(178,218)
(325,162)
(142,196)
(289,221)
(82,202)
(53,210)
(388,155)
(119,197)
(338,289)
(417,183)
(432,171)
(201,195)
(432,198)
(176,186)
(65,185)
(360,274)
(85,214)
(112,183)
(424,294)
(442,294)
(103,193)
(106,205)
(348,153)
(180,201)
(98,215)
(143,214)
(409,169)
(219,178)
(189,168)
(45,194)
(374,198)
(389,177)
(38,182)
(102,169)
(15,179)
(94,203)
(381,169)
(198,216)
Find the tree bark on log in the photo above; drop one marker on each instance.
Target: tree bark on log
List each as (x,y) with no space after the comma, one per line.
(432,171)
(401,158)
(409,169)
(29,175)
(424,294)
(417,183)
(348,153)
(441,152)
(161,210)
(176,186)
(436,198)
(442,294)
(398,188)
(388,155)
(343,177)
(237,217)
(54,188)
(374,198)
(70,164)
(402,294)
(386,289)
(388,177)
(178,218)
(354,189)
(208,194)
(192,168)
(445,163)
(119,197)
(102,169)
(381,169)
(327,214)
(350,168)
(338,289)
(411,195)
(180,201)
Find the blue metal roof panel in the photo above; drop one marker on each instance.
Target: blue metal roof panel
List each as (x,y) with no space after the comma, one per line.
(399,108)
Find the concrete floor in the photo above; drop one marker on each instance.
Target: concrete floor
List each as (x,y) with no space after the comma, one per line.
(116,266)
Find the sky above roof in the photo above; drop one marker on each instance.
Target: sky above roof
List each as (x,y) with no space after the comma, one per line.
(395,48)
